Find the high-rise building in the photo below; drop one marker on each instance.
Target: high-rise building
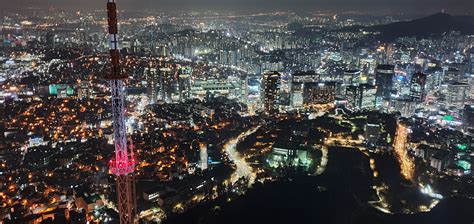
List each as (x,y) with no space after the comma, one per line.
(417,87)
(49,39)
(304,77)
(270,92)
(319,93)
(203,157)
(361,97)
(367,65)
(296,96)
(384,81)
(454,73)
(2,124)
(298,81)
(229,57)
(468,117)
(184,81)
(389,51)
(252,86)
(165,84)
(193,156)
(457,94)
(347,52)
(471,61)
(434,78)
(351,77)
(372,132)
(230,88)
(404,105)
(152,79)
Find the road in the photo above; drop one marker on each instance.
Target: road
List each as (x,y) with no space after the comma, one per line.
(407,166)
(324,160)
(243,169)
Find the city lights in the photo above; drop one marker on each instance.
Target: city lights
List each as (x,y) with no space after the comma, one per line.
(131,112)
(407,167)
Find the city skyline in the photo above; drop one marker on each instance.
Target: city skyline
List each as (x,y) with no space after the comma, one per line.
(211,112)
(376,7)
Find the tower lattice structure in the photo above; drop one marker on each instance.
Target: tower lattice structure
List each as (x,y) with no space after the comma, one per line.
(123,165)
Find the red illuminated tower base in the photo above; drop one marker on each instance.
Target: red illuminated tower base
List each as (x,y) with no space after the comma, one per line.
(123,165)
(126,197)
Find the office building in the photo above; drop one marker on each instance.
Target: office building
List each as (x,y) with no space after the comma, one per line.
(457,94)
(404,105)
(304,77)
(203,157)
(384,81)
(440,160)
(351,77)
(297,84)
(151,76)
(184,83)
(211,88)
(270,92)
(289,154)
(319,93)
(372,131)
(361,97)
(418,87)
(454,73)
(471,61)
(296,95)
(2,124)
(468,117)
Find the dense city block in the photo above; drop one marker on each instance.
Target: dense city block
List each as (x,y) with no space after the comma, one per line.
(233,117)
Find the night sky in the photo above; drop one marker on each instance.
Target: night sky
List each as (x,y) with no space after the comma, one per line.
(371,6)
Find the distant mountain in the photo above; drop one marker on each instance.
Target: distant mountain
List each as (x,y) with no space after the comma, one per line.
(436,24)
(468,19)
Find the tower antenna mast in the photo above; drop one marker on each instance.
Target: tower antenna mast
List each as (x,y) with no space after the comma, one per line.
(123,165)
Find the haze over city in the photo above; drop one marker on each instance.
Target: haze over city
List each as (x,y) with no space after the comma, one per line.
(376,7)
(236,111)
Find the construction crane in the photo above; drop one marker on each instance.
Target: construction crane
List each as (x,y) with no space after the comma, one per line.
(123,165)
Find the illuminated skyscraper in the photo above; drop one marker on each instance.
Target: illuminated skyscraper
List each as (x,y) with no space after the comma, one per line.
(389,50)
(151,76)
(384,81)
(319,93)
(2,124)
(351,77)
(417,87)
(372,131)
(361,97)
(296,95)
(457,94)
(298,81)
(167,81)
(471,61)
(203,156)
(468,117)
(184,81)
(270,92)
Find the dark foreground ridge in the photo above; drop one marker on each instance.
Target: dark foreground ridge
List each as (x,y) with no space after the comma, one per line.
(433,25)
(339,196)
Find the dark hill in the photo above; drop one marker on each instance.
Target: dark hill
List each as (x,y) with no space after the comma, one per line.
(433,25)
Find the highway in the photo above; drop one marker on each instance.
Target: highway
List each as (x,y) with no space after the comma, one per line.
(243,169)
(407,166)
